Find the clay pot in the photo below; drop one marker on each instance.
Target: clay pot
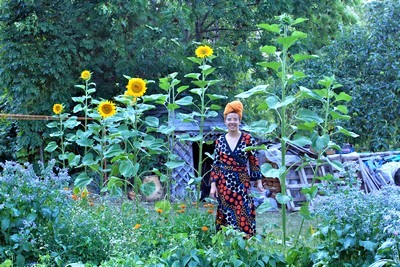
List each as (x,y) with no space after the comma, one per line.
(158,192)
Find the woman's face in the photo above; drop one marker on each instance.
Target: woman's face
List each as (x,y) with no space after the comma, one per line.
(232,122)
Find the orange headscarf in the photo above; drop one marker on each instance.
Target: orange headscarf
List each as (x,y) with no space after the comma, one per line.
(234,107)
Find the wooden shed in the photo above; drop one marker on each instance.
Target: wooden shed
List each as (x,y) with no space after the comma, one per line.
(189,151)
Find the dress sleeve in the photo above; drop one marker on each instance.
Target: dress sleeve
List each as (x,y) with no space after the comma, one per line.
(215,171)
(255,171)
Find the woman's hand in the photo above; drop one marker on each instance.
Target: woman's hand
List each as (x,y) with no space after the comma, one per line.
(213,191)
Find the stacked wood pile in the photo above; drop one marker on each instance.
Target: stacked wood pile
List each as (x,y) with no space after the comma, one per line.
(299,176)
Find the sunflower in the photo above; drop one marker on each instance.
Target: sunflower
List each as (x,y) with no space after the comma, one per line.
(57,108)
(86,75)
(136,87)
(107,109)
(204,51)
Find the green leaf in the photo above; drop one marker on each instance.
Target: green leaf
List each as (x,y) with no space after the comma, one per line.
(148,188)
(127,168)
(299,34)
(163,205)
(260,89)
(72,122)
(197,91)
(193,75)
(52,124)
(261,127)
(113,151)
(335,164)
(152,121)
(300,140)
(346,132)
(182,88)
(174,164)
(78,108)
(349,241)
(298,57)
(85,142)
(207,71)
(305,211)
(88,159)
(274,102)
(308,116)
(51,146)
(268,49)
(185,101)
(298,20)
(320,143)
(73,160)
(268,171)
(271,65)
(195,60)
(82,180)
(341,108)
(343,97)
(270,27)
(287,41)
(213,97)
(79,99)
(282,199)
(369,245)
(338,116)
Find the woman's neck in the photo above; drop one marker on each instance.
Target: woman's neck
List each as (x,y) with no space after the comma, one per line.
(234,133)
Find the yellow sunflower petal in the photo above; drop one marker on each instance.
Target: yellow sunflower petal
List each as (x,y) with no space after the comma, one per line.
(136,87)
(107,109)
(204,51)
(57,108)
(86,75)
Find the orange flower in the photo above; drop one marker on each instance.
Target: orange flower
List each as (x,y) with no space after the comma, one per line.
(137,226)
(183,206)
(74,197)
(181,211)
(204,228)
(159,210)
(210,211)
(84,194)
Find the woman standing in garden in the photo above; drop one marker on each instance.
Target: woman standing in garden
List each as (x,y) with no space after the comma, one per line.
(232,171)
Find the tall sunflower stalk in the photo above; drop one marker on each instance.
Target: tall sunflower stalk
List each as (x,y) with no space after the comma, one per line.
(62,124)
(84,105)
(172,103)
(305,126)
(203,107)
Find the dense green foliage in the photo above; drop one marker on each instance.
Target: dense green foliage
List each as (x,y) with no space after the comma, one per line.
(46,44)
(364,59)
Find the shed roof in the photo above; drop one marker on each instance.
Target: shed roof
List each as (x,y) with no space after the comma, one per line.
(215,124)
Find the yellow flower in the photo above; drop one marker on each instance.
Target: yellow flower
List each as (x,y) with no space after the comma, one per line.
(107,109)
(57,108)
(204,228)
(204,51)
(86,75)
(137,226)
(136,87)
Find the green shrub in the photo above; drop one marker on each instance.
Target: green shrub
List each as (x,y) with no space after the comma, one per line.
(353,225)
(29,201)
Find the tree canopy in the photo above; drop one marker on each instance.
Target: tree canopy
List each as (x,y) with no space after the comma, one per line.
(46,44)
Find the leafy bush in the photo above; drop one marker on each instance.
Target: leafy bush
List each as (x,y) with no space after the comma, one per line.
(29,201)
(354,224)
